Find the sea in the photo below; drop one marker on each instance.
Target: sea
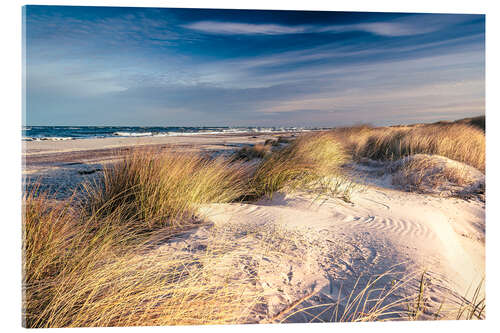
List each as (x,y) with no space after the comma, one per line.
(37,133)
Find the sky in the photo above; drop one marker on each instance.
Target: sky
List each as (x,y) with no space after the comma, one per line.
(126,66)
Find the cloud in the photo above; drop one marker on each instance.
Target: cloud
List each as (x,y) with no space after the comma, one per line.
(235,28)
(386,29)
(101,34)
(393,29)
(406,26)
(415,97)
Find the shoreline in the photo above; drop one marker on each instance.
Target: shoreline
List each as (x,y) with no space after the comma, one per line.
(47,154)
(60,166)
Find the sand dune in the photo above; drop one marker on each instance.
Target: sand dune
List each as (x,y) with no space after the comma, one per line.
(379,229)
(305,252)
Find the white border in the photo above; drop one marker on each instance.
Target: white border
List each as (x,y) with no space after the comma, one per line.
(10,172)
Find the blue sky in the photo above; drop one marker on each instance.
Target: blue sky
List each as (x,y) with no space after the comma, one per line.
(199,67)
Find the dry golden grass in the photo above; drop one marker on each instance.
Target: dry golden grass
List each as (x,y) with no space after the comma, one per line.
(256,151)
(57,242)
(307,159)
(425,172)
(259,150)
(479,122)
(100,273)
(152,289)
(456,141)
(79,271)
(47,231)
(166,189)
(83,264)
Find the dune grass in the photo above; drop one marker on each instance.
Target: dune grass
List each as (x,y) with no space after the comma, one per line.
(80,265)
(47,235)
(457,141)
(248,153)
(164,190)
(365,302)
(479,122)
(56,242)
(76,276)
(84,262)
(424,168)
(259,150)
(306,160)
(83,271)
(103,272)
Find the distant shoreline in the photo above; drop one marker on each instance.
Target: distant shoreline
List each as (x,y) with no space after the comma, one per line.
(65,133)
(47,154)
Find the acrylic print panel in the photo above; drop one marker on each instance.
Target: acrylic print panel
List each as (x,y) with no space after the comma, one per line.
(208,166)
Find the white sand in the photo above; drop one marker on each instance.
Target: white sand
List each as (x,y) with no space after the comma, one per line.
(340,242)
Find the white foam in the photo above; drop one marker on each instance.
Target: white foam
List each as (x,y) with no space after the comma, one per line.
(50,138)
(235,131)
(132,134)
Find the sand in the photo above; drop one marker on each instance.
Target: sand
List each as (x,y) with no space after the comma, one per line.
(381,228)
(208,141)
(307,252)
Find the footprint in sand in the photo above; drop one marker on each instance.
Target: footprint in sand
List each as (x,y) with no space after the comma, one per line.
(370,219)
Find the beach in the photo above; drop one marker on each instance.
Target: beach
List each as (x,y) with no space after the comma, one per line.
(65,163)
(305,254)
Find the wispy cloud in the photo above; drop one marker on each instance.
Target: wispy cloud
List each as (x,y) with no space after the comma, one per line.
(387,29)
(235,28)
(407,26)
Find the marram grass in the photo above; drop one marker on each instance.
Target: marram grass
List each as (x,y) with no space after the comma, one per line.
(164,190)
(306,160)
(459,142)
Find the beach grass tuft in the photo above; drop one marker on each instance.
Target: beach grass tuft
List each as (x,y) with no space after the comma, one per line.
(163,190)
(307,159)
(258,150)
(457,141)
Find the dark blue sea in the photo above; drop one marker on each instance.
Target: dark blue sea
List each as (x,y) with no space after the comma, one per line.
(33,133)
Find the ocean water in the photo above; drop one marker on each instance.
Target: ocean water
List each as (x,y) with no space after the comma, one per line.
(33,133)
